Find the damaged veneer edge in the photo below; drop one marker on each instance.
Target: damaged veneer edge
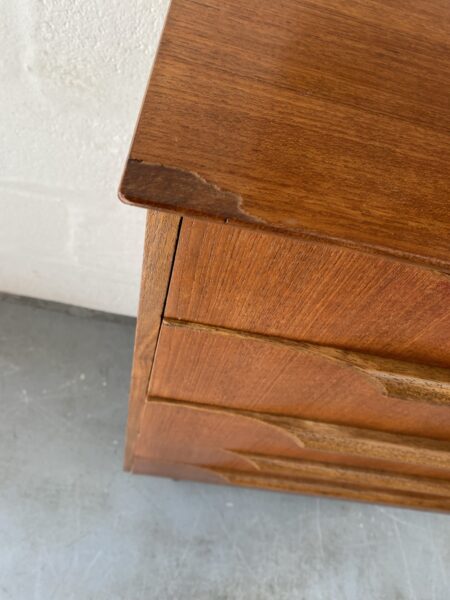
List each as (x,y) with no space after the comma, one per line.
(187,193)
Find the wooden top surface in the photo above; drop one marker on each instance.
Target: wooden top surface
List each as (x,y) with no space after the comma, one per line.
(322,118)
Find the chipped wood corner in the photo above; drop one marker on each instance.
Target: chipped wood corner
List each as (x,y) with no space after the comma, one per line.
(173,189)
(178,190)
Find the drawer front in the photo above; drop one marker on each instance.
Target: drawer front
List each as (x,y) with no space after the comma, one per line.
(217,367)
(290,454)
(259,282)
(302,367)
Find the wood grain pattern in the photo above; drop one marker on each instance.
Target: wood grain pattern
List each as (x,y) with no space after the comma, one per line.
(289,467)
(403,380)
(268,481)
(247,371)
(308,291)
(160,242)
(308,349)
(330,437)
(187,433)
(175,470)
(334,490)
(263,452)
(310,117)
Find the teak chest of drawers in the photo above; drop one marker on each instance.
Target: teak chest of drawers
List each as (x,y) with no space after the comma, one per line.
(293,330)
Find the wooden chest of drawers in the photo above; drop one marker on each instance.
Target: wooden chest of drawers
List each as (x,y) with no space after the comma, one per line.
(293,331)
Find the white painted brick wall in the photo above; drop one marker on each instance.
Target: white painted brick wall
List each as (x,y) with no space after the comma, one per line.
(73,74)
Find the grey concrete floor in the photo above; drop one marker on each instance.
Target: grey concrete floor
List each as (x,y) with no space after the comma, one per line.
(73,525)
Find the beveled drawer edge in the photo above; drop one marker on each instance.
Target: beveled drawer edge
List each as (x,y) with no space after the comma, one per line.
(333,490)
(330,437)
(394,378)
(351,475)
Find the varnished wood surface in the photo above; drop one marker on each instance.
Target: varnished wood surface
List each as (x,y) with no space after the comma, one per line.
(289,467)
(310,291)
(331,489)
(313,435)
(313,117)
(226,368)
(241,447)
(197,434)
(309,350)
(160,242)
(394,378)
(248,407)
(335,490)
(175,470)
